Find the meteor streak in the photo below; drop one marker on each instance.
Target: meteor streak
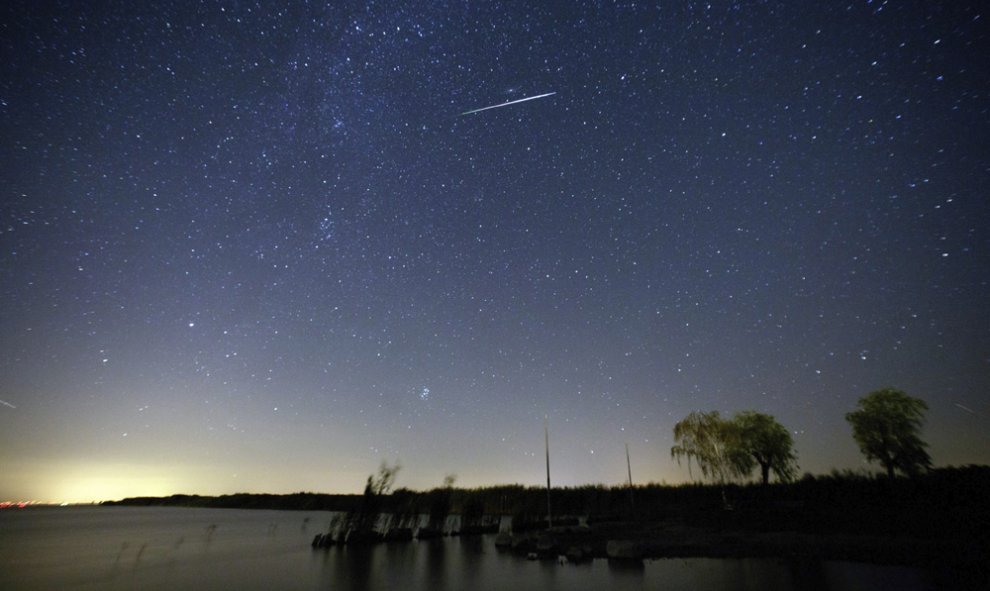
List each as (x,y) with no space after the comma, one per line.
(522,100)
(966,408)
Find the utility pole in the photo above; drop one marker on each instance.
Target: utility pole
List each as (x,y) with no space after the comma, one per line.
(546,441)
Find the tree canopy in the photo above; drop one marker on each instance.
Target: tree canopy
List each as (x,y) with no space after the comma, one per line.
(887,428)
(713,444)
(768,443)
(725,449)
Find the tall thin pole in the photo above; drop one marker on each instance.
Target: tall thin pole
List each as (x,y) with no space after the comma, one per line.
(546,440)
(629,468)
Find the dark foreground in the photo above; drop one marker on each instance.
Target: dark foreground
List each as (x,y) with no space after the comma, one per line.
(938,520)
(658,540)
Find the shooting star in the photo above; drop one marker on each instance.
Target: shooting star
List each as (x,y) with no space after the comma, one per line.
(5,403)
(967,409)
(522,100)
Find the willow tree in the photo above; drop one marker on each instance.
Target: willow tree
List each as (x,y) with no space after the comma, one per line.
(768,443)
(713,443)
(887,427)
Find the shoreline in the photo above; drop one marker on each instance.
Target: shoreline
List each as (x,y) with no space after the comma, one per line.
(933,520)
(657,541)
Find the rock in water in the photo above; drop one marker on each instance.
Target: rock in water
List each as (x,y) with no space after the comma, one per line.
(364,537)
(399,534)
(624,550)
(578,553)
(427,533)
(546,545)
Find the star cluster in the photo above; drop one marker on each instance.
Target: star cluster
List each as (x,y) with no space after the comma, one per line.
(255,246)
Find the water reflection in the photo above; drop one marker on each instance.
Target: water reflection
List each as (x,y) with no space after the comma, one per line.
(434,571)
(247,550)
(474,563)
(471,550)
(350,568)
(808,573)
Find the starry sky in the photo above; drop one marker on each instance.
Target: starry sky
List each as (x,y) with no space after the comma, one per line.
(257,246)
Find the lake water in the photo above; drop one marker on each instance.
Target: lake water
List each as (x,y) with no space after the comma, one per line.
(176,548)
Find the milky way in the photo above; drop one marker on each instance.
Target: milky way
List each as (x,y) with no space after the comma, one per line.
(250,247)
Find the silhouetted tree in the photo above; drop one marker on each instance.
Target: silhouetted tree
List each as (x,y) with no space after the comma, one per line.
(768,443)
(473,512)
(440,503)
(713,443)
(887,428)
(377,486)
(382,483)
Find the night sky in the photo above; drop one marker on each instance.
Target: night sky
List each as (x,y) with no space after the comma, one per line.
(250,247)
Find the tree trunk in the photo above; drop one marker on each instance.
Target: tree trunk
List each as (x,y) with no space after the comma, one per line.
(890,470)
(765,471)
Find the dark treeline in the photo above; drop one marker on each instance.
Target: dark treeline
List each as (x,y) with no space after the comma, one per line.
(302,501)
(945,502)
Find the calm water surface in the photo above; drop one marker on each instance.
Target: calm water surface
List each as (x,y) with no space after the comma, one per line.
(174,548)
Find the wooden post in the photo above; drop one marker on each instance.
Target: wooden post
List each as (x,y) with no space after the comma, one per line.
(546,441)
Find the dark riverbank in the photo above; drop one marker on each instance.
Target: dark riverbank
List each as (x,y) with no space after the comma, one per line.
(662,540)
(951,564)
(939,518)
